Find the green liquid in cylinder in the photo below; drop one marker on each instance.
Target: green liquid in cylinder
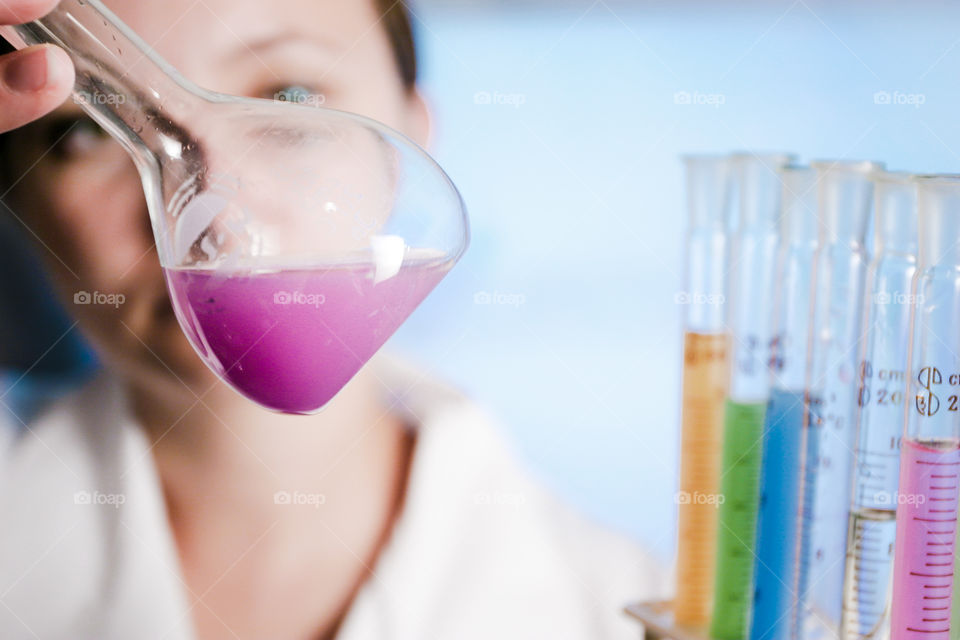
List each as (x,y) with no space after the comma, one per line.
(740,487)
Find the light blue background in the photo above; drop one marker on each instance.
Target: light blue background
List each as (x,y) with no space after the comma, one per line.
(577,204)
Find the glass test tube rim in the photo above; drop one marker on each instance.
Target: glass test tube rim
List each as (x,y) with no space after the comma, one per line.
(783,157)
(946,179)
(796,168)
(887,176)
(854,167)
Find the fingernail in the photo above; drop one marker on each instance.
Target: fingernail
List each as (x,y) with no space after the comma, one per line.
(27,72)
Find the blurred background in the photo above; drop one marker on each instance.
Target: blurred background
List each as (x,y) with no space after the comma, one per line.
(561,122)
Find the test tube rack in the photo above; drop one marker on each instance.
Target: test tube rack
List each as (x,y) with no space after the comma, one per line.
(657,620)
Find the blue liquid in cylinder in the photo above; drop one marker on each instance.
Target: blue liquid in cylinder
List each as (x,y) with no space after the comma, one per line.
(775,579)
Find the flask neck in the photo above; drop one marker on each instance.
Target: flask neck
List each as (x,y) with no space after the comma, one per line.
(120,82)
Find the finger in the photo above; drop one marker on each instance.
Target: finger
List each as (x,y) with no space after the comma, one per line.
(35,81)
(20,11)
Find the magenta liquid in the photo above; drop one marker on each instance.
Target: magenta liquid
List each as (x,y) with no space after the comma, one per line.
(926,530)
(291,339)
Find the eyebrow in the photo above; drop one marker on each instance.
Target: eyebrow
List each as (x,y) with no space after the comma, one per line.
(281,39)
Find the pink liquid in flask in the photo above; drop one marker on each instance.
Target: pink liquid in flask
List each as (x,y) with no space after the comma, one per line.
(926,531)
(291,339)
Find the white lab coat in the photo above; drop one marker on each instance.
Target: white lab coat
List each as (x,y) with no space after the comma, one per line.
(480,551)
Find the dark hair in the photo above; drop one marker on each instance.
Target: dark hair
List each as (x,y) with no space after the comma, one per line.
(396,19)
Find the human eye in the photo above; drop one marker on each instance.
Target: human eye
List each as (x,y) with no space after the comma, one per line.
(70,137)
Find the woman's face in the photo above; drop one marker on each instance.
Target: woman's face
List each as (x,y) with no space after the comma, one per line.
(80,195)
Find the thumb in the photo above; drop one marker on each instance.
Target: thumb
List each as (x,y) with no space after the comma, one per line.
(33,82)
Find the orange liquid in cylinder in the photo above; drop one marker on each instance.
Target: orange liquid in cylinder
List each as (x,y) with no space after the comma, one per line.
(705,375)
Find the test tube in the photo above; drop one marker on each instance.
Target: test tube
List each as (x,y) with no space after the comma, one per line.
(752,262)
(930,450)
(845,201)
(704,384)
(781,463)
(872,522)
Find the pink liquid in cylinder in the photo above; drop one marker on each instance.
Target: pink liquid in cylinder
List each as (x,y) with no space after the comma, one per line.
(291,339)
(926,530)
